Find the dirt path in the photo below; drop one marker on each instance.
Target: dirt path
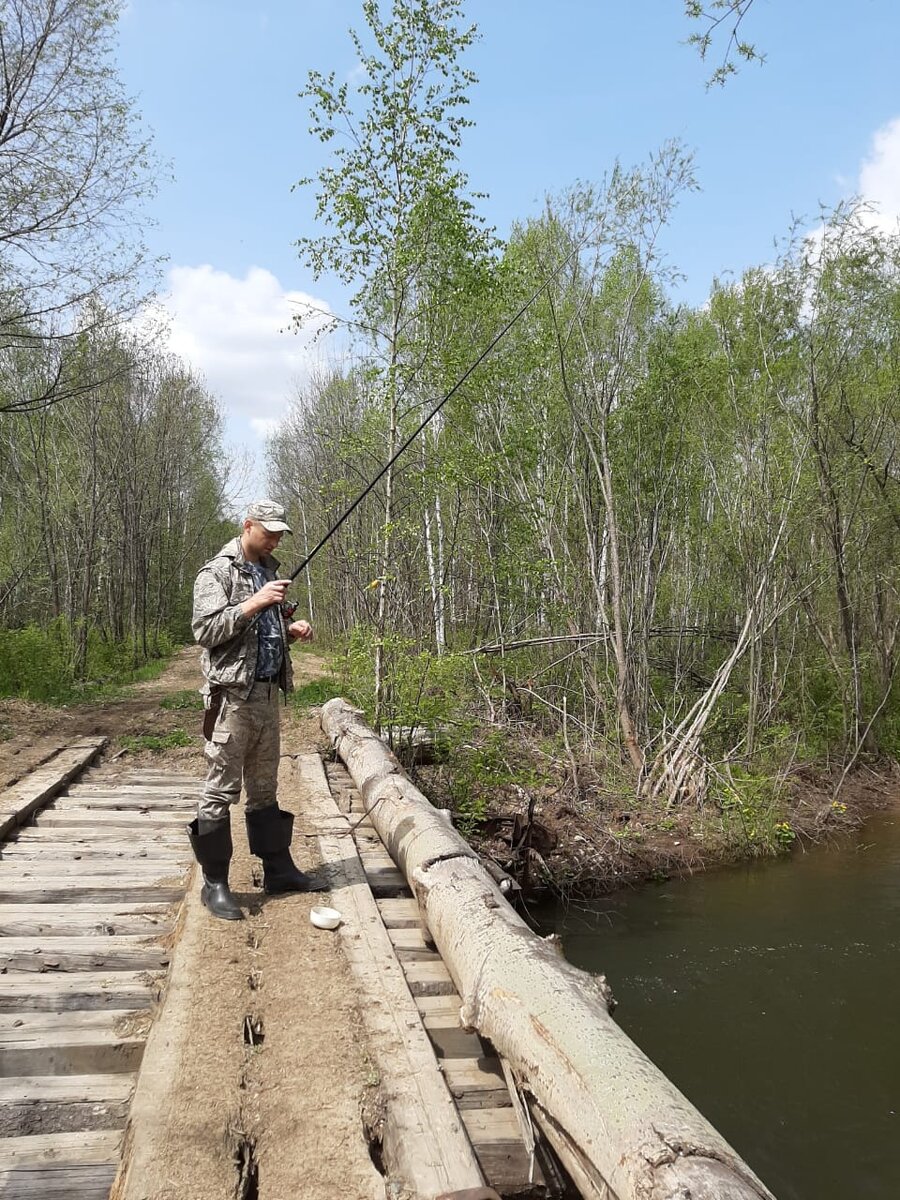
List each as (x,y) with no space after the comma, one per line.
(261,1084)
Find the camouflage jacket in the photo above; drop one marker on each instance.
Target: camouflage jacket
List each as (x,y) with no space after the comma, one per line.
(221,628)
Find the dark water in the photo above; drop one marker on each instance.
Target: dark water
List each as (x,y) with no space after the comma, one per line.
(771,996)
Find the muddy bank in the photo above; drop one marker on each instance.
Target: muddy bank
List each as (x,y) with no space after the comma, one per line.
(587,841)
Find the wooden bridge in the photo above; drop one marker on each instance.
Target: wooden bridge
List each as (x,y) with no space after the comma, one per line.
(94,878)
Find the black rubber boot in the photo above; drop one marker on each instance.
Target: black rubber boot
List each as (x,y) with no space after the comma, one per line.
(269,832)
(212,850)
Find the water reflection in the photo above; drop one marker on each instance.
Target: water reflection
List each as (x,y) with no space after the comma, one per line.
(769,994)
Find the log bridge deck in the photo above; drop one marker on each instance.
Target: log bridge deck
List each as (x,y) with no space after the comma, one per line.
(94,869)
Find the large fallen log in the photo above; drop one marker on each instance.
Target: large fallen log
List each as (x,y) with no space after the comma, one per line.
(620,1127)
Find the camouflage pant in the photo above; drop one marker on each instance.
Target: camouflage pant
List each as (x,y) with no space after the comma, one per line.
(245,746)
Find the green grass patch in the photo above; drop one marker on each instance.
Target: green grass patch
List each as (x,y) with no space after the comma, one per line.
(156,742)
(315,693)
(178,701)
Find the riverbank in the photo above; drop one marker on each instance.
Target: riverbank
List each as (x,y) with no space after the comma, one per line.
(586,836)
(589,834)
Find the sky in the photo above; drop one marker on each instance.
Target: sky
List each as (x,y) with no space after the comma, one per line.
(564,90)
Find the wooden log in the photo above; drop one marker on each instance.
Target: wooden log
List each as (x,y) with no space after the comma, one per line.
(18,803)
(619,1126)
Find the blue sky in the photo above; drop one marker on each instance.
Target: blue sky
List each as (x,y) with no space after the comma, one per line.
(564,89)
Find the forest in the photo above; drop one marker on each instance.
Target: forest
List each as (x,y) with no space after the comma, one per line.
(654,543)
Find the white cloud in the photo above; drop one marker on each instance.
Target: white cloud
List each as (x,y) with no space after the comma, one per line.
(236,334)
(879,174)
(263,426)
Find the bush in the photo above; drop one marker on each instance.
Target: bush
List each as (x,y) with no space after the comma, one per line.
(38,663)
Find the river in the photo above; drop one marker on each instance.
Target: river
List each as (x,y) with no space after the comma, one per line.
(770,994)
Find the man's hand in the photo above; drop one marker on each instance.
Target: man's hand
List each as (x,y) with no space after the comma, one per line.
(270,593)
(300,631)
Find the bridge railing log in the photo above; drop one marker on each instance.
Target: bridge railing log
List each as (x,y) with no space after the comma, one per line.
(622,1130)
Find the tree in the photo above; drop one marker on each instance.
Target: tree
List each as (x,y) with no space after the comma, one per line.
(394,199)
(74,166)
(727,16)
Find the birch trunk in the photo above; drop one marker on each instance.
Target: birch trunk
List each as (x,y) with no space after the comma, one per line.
(621,1129)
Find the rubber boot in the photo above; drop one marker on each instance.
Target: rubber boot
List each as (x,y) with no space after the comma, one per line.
(212,850)
(269,832)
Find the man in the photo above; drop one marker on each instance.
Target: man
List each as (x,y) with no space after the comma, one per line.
(239,623)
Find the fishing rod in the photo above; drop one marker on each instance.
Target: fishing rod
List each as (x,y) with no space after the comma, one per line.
(470,370)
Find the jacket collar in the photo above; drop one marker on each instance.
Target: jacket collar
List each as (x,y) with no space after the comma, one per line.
(235,552)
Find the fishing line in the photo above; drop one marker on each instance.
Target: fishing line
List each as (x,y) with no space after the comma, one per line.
(449,395)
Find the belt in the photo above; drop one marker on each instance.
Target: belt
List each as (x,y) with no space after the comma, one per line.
(267,678)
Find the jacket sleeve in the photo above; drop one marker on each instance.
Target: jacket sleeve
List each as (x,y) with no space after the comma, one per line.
(215,619)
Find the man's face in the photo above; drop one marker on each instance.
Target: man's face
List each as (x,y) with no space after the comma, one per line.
(258,541)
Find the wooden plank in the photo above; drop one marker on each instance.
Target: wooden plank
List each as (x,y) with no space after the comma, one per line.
(67,814)
(66,1089)
(445,1006)
(161,790)
(31,991)
(129,952)
(402,913)
(68,1052)
(74,867)
(450,1041)
(111,1019)
(118,803)
(59,920)
(387,882)
(477,1083)
(498,1143)
(110,889)
(19,802)
(87,1146)
(410,939)
(79,1181)
(429,979)
(97,836)
(424,1141)
(23,851)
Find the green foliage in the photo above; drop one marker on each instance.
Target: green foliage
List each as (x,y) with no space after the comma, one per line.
(421,689)
(39,663)
(721,18)
(480,770)
(752,803)
(315,693)
(156,742)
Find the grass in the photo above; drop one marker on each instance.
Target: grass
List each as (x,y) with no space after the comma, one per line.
(178,701)
(315,693)
(156,742)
